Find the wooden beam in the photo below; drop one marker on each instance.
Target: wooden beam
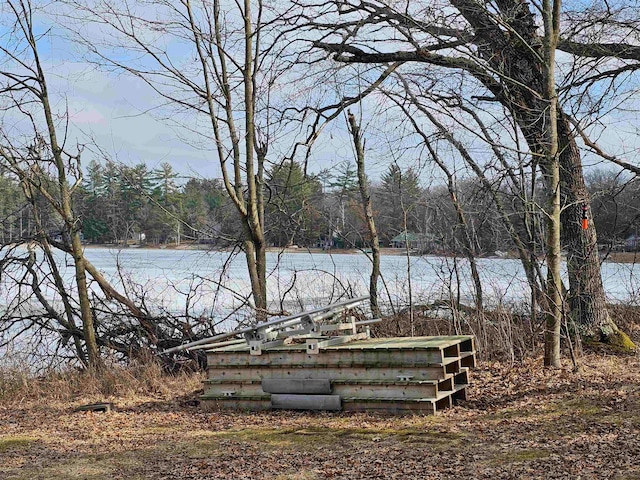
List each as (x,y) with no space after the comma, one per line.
(296,386)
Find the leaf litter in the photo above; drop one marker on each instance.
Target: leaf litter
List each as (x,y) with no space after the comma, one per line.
(521,421)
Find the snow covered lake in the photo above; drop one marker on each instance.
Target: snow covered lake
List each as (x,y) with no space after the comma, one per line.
(214,283)
(311,279)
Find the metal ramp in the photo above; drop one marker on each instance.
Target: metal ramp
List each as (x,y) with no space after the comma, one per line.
(316,326)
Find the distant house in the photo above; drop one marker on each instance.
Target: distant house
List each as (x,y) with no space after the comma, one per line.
(424,242)
(407,239)
(632,243)
(60,235)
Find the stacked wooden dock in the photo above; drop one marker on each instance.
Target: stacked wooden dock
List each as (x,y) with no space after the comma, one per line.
(422,374)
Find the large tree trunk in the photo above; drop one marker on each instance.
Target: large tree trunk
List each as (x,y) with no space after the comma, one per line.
(586,299)
(522,81)
(518,62)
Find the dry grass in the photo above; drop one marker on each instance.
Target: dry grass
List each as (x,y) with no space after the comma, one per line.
(500,334)
(627,317)
(522,421)
(135,382)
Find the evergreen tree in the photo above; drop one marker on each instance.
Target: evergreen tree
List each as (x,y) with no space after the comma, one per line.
(399,194)
(291,213)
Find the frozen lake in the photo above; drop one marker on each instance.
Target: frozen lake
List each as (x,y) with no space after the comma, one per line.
(309,279)
(215,283)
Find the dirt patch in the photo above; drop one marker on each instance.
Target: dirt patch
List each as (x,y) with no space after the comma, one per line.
(522,422)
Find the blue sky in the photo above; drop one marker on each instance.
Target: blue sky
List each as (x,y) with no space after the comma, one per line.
(120,114)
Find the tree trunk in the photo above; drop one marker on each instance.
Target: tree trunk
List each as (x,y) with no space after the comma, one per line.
(368,213)
(551,17)
(88,326)
(586,298)
(72,225)
(255,254)
(523,74)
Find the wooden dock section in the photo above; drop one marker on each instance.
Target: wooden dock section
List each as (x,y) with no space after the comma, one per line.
(407,374)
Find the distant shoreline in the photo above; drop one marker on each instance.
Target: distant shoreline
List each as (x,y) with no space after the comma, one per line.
(204,247)
(613,257)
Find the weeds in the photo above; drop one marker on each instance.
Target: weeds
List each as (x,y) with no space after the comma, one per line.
(500,333)
(135,380)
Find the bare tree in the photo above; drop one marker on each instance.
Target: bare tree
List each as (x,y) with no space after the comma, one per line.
(468,245)
(495,53)
(224,87)
(359,146)
(222,75)
(35,154)
(551,18)
(34,148)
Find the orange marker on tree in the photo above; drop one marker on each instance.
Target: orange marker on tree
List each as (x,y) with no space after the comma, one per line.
(585,221)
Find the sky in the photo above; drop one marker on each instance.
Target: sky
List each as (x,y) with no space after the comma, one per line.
(112,111)
(115,115)
(119,114)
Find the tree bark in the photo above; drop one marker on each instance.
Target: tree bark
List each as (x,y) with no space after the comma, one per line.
(587,300)
(551,17)
(72,224)
(88,326)
(250,208)
(523,71)
(368,213)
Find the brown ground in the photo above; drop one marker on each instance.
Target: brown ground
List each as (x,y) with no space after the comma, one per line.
(520,422)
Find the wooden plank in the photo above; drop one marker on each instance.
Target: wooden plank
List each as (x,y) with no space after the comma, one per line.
(429,389)
(452,351)
(389,405)
(388,375)
(420,343)
(468,359)
(460,395)
(306,402)
(345,372)
(328,356)
(95,407)
(297,386)
(405,342)
(233,390)
(394,390)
